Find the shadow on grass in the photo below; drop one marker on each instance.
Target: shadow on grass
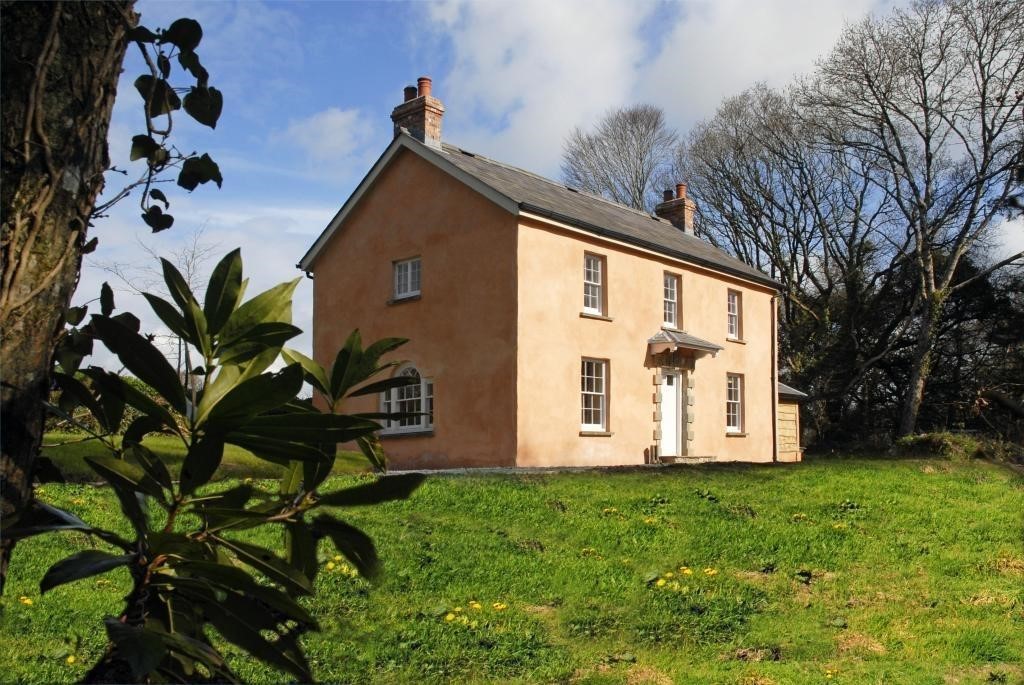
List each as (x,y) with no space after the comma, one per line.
(68,452)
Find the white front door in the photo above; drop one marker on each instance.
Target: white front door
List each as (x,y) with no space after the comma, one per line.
(669,414)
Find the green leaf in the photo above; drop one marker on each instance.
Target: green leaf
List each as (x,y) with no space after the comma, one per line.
(315,374)
(157,195)
(277,451)
(270,565)
(378,387)
(198,170)
(112,383)
(271,305)
(301,547)
(140,427)
(291,480)
(143,147)
(344,365)
(371,448)
(351,542)
(141,358)
(74,315)
(140,34)
(72,389)
(121,473)
(156,219)
(255,396)
(164,65)
(88,563)
(41,517)
(143,649)
(158,93)
(106,299)
(204,105)
(201,462)
(149,462)
(383,489)
(261,337)
(311,427)
(223,291)
(190,62)
(185,33)
(168,314)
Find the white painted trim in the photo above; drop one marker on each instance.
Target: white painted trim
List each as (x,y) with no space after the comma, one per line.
(435,157)
(644,250)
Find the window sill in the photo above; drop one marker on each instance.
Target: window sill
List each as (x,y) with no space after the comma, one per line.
(408,434)
(735,435)
(403,300)
(599,317)
(596,434)
(738,341)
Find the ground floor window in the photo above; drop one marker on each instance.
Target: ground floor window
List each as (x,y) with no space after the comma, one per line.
(734,403)
(415,398)
(594,395)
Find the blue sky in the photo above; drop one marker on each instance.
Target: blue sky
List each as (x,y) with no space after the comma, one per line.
(309,87)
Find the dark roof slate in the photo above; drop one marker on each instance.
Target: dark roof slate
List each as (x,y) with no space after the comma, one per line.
(682,339)
(597,215)
(790,392)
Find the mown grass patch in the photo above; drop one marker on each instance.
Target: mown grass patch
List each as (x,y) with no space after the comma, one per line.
(855,570)
(68,451)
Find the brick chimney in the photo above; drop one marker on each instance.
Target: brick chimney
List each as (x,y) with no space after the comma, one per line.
(677,209)
(420,114)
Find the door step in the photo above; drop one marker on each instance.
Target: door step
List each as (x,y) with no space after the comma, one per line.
(685,460)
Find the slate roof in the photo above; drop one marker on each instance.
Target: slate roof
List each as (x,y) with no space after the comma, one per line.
(683,340)
(597,215)
(790,392)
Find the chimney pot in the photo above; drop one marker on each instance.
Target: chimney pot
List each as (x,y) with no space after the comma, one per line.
(667,195)
(424,84)
(409,92)
(680,191)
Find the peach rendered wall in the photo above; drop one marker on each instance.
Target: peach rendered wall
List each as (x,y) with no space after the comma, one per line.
(461,330)
(553,338)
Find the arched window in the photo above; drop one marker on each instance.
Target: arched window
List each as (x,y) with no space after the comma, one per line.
(415,398)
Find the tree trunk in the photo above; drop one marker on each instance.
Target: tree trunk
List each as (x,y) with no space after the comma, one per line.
(60,66)
(921,362)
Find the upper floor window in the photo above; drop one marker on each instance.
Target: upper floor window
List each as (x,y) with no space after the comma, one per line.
(734,403)
(671,301)
(593,284)
(735,315)
(594,395)
(407,278)
(415,399)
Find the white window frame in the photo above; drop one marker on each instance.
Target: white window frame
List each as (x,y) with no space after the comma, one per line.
(412,398)
(734,403)
(594,395)
(594,284)
(670,300)
(734,314)
(407,278)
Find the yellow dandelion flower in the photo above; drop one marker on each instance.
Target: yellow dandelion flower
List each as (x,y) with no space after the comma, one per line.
(25,600)
(650,519)
(337,557)
(710,572)
(449,617)
(661,582)
(330,565)
(670,575)
(473,604)
(78,500)
(499,606)
(457,610)
(71,659)
(686,571)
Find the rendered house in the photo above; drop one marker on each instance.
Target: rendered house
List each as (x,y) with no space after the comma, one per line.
(547,326)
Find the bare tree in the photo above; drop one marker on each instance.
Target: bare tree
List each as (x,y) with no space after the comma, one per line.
(625,159)
(191,258)
(768,191)
(934,93)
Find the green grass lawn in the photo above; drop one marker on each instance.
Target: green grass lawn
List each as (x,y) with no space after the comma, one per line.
(831,571)
(68,449)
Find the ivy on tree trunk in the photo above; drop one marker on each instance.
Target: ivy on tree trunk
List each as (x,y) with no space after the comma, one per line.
(61,63)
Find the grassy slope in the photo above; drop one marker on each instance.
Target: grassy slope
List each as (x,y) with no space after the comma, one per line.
(916,576)
(67,451)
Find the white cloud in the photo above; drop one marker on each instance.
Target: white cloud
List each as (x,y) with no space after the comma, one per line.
(333,135)
(719,48)
(525,73)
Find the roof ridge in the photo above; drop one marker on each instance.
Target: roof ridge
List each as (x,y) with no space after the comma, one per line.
(531,174)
